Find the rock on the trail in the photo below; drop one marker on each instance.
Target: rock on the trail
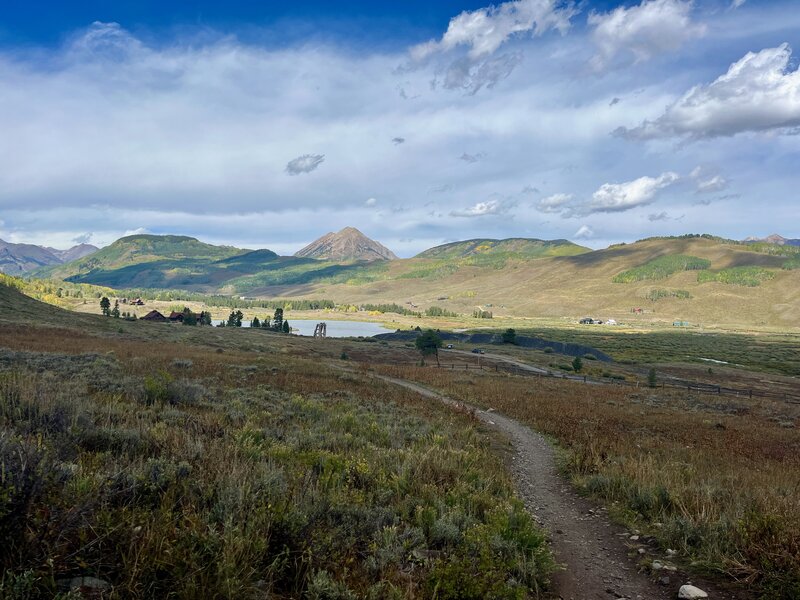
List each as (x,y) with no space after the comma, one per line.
(689,592)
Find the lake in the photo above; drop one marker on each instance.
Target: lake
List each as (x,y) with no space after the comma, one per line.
(335,328)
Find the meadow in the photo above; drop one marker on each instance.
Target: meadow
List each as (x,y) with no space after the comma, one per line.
(185,471)
(716,480)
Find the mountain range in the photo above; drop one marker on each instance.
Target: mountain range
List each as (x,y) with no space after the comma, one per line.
(694,278)
(16,259)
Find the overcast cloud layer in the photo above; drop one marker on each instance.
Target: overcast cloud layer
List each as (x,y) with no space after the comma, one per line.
(535,118)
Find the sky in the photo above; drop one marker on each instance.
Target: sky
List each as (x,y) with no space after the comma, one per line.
(266,125)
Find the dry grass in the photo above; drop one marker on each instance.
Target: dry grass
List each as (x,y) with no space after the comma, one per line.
(179,470)
(716,479)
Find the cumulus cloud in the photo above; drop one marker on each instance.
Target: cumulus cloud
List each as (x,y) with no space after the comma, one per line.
(662,216)
(619,197)
(584,232)
(483,32)
(553,204)
(304,164)
(641,32)
(486,29)
(482,209)
(371,202)
(758,93)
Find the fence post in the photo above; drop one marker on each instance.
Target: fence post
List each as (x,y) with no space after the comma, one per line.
(751,394)
(719,391)
(584,379)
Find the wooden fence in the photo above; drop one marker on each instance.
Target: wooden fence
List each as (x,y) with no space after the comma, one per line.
(689,386)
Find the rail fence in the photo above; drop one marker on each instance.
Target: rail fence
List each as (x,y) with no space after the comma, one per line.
(689,386)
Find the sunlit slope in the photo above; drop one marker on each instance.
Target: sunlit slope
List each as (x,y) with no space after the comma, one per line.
(584,285)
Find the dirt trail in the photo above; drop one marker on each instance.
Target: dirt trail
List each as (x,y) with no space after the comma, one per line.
(599,557)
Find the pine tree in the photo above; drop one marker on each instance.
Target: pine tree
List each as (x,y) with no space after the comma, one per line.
(255,322)
(239,317)
(105,306)
(277,320)
(115,310)
(286,328)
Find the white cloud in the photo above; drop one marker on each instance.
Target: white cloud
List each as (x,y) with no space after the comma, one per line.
(758,93)
(553,204)
(137,231)
(481,209)
(486,29)
(483,32)
(717,183)
(583,233)
(304,164)
(619,197)
(641,32)
(737,3)
(371,202)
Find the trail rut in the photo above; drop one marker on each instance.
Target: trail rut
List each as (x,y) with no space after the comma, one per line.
(599,559)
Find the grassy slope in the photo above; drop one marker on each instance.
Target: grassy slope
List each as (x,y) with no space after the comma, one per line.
(147,456)
(582,285)
(517,277)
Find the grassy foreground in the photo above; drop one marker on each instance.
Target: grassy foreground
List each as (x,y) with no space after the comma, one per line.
(170,470)
(718,480)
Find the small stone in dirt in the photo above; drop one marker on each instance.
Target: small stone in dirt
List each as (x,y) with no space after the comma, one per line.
(664,581)
(641,550)
(634,538)
(671,552)
(657,566)
(690,592)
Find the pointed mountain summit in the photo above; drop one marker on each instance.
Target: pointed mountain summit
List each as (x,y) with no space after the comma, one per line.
(345,245)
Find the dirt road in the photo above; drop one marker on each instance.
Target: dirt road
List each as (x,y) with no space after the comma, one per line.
(600,559)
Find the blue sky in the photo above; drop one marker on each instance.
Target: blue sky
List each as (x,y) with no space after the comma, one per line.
(269,124)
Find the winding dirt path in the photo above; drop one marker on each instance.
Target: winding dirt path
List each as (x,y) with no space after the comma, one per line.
(599,558)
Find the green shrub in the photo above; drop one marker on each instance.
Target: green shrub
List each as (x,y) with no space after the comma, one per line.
(744,276)
(658,294)
(662,267)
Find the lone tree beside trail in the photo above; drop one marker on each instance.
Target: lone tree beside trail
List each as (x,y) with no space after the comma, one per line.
(577,364)
(509,336)
(105,306)
(286,328)
(115,310)
(255,322)
(428,344)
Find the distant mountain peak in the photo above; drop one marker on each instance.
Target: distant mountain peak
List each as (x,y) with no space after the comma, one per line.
(347,244)
(16,259)
(774,239)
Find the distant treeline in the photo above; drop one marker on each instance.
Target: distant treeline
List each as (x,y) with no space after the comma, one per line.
(390,308)
(227,301)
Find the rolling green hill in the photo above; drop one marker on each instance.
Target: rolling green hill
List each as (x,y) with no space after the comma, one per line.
(511,247)
(696,279)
